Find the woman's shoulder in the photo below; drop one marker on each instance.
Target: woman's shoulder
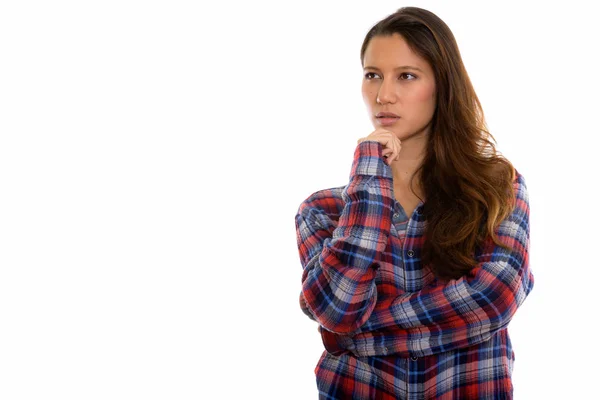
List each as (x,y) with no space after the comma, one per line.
(324,201)
(519,184)
(518,176)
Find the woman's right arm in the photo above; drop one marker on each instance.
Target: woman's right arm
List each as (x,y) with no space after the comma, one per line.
(339,261)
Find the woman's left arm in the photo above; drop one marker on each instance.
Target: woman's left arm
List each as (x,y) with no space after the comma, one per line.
(471,309)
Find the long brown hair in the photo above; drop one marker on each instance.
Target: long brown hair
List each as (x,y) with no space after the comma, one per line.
(468,185)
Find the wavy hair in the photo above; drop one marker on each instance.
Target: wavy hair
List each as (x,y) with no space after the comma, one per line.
(468,185)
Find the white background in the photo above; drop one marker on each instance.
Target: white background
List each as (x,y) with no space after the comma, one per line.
(153,155)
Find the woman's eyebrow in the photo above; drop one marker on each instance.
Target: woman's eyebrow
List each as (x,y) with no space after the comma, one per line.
(397,68)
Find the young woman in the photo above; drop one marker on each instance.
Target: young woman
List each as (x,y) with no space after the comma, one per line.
(414,269)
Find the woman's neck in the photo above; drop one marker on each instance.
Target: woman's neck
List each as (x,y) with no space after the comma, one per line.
(411,157)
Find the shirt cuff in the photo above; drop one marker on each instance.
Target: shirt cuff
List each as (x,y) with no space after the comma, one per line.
(368,160)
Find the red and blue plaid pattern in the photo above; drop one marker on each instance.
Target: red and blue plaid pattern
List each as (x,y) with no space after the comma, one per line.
(390,329)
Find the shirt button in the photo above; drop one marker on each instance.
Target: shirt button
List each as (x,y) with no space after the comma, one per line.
(396,215)
(414,358)
(410,253)
(420,210)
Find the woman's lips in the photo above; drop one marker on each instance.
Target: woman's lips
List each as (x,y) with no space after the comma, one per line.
(386,121)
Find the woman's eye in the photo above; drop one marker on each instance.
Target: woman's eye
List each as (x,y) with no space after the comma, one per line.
(370,75)
(407,76)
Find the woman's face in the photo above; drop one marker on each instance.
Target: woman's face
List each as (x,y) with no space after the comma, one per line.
(398,87)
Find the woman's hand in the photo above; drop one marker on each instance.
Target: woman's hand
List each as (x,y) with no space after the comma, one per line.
(391,144)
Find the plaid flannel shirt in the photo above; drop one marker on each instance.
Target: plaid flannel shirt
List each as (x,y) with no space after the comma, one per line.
(390,329)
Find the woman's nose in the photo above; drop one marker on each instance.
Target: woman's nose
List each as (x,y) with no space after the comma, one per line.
(386,93)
